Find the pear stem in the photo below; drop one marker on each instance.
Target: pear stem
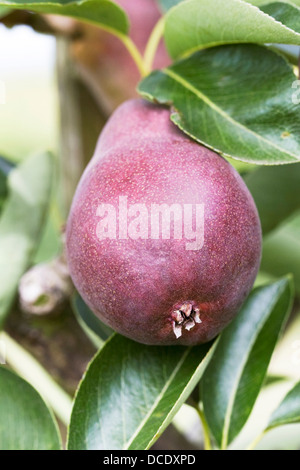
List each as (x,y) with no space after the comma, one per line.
(135,54)
(131,48)
(153,43)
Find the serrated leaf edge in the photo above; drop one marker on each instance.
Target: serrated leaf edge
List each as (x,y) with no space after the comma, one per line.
(219,43)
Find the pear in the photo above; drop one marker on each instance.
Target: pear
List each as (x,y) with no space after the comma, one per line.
(163,239)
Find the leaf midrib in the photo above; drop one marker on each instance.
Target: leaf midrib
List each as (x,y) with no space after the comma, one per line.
(231,402)
(203,97)
(195,374)
(282,422)
(157,400)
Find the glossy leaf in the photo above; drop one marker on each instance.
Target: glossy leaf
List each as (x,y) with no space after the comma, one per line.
(288,411)
(236,100)
(235,375)
(130,393)
(276,193)
(285,13)
(26,423)
(93,327)
(198,24)
(103,13)
(21,222)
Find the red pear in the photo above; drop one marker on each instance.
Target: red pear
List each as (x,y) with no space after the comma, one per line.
(163,237)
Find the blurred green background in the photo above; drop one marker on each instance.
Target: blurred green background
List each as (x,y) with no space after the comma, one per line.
(29,117)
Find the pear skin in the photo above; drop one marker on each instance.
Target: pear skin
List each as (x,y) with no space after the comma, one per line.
(163,237)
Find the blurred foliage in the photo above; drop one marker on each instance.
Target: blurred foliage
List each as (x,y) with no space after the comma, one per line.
(29,118)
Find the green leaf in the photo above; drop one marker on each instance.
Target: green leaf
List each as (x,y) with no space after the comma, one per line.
(281,251)
(236,100)
(131,392)
(26,423)
(276,193)
(261,3)
(288,411)
(198,24)
(5,167)
(285,13)
(97,331)
(235,375)
(21,222)
(103,13)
